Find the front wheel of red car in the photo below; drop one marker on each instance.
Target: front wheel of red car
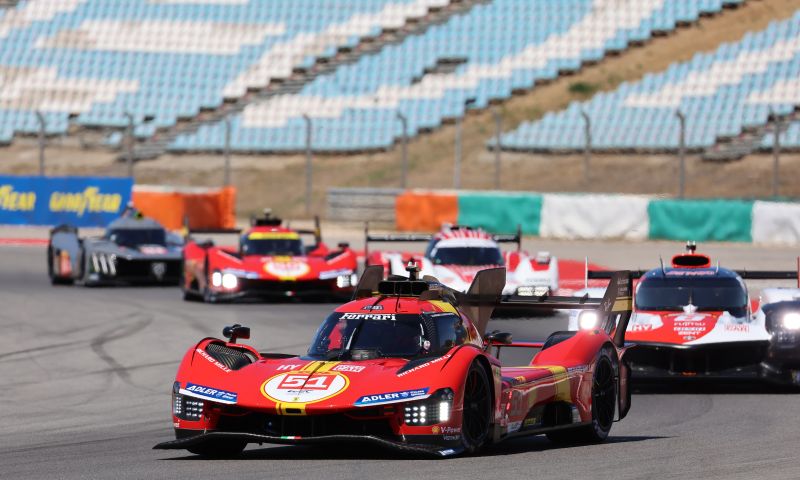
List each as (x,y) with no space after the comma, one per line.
(219,448)
(604,401)
(477,413)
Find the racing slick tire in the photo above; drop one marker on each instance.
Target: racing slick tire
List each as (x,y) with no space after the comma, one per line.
(477,413)
(187,294)
(219,448)
(51,271)
(604,401)
(208,297)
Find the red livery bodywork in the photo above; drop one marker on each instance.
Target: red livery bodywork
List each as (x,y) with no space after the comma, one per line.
(441,400)
(270,261)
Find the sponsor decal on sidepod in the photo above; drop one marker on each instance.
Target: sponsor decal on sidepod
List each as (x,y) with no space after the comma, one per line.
(209,393)
(420,367)
(211,359)
(391,397)
(348,368)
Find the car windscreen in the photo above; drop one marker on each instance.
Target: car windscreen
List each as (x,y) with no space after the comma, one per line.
(467,256)
(133,238)
(707,294)
(268,243)
(361,336)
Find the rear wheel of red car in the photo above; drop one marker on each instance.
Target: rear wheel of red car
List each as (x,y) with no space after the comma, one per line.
(477,414)
(604,402)
(219,448)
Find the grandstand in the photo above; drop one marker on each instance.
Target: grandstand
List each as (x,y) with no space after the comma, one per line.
(93,61)
(174,68)
(738,88)
(492,51)
(181,68)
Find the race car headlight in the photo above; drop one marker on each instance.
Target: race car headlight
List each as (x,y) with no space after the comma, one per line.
(588,319)
(216,279)
(791,321)
(185,408)
(444,411)
(434,409)
(530,291)
(344,281)
(229,281)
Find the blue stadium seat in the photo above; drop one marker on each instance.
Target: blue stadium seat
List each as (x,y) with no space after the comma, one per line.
(720,94)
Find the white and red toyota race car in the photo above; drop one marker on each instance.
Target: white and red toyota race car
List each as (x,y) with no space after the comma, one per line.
(695,320)
(457,253)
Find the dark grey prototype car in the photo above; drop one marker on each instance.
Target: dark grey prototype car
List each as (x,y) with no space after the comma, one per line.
(133,250)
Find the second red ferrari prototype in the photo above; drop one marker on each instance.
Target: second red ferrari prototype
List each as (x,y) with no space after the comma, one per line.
(407,365)
(270,261)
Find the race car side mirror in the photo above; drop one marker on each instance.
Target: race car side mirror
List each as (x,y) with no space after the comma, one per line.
(343,245)
(235,332)
(498,337)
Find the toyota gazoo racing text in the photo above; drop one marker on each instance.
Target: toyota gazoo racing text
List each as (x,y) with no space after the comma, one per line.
(270,261)
(457,253)
(406,365)
(132,250)
(692,320)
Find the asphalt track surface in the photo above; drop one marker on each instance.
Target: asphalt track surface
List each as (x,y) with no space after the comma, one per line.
(85,377)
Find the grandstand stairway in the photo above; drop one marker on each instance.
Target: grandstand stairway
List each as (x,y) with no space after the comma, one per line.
(750,140)
(158,143)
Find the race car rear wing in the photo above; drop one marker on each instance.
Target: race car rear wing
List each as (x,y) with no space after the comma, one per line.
(427,237)
(772,274)
(745,274)
(614,308)
(316,232)
(485,294)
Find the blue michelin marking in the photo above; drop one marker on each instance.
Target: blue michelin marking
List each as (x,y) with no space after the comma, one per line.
(209,393)
(391,397)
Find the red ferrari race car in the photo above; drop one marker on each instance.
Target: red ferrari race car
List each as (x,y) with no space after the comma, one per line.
(406,365)
(692,320)
(270,261)
(457,253)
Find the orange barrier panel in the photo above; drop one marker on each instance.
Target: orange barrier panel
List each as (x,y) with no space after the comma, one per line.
(205,208)
(425,211)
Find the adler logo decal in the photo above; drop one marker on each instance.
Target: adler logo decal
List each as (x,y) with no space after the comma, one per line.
(209,393)
(391,397)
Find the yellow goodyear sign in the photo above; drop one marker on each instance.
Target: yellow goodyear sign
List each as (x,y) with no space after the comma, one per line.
(15,201)
(79,201)
(91,200)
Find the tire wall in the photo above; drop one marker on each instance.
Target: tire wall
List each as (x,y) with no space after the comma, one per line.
(595,216)
(204,208)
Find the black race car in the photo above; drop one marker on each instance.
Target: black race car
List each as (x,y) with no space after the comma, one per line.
(133,250)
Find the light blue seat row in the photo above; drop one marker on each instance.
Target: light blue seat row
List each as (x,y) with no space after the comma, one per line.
(166,84)
(721,93)
(477,58)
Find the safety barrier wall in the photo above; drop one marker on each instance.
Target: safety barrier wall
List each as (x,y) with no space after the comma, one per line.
(374,205)
(79,201)
(593,216)
(204,208)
